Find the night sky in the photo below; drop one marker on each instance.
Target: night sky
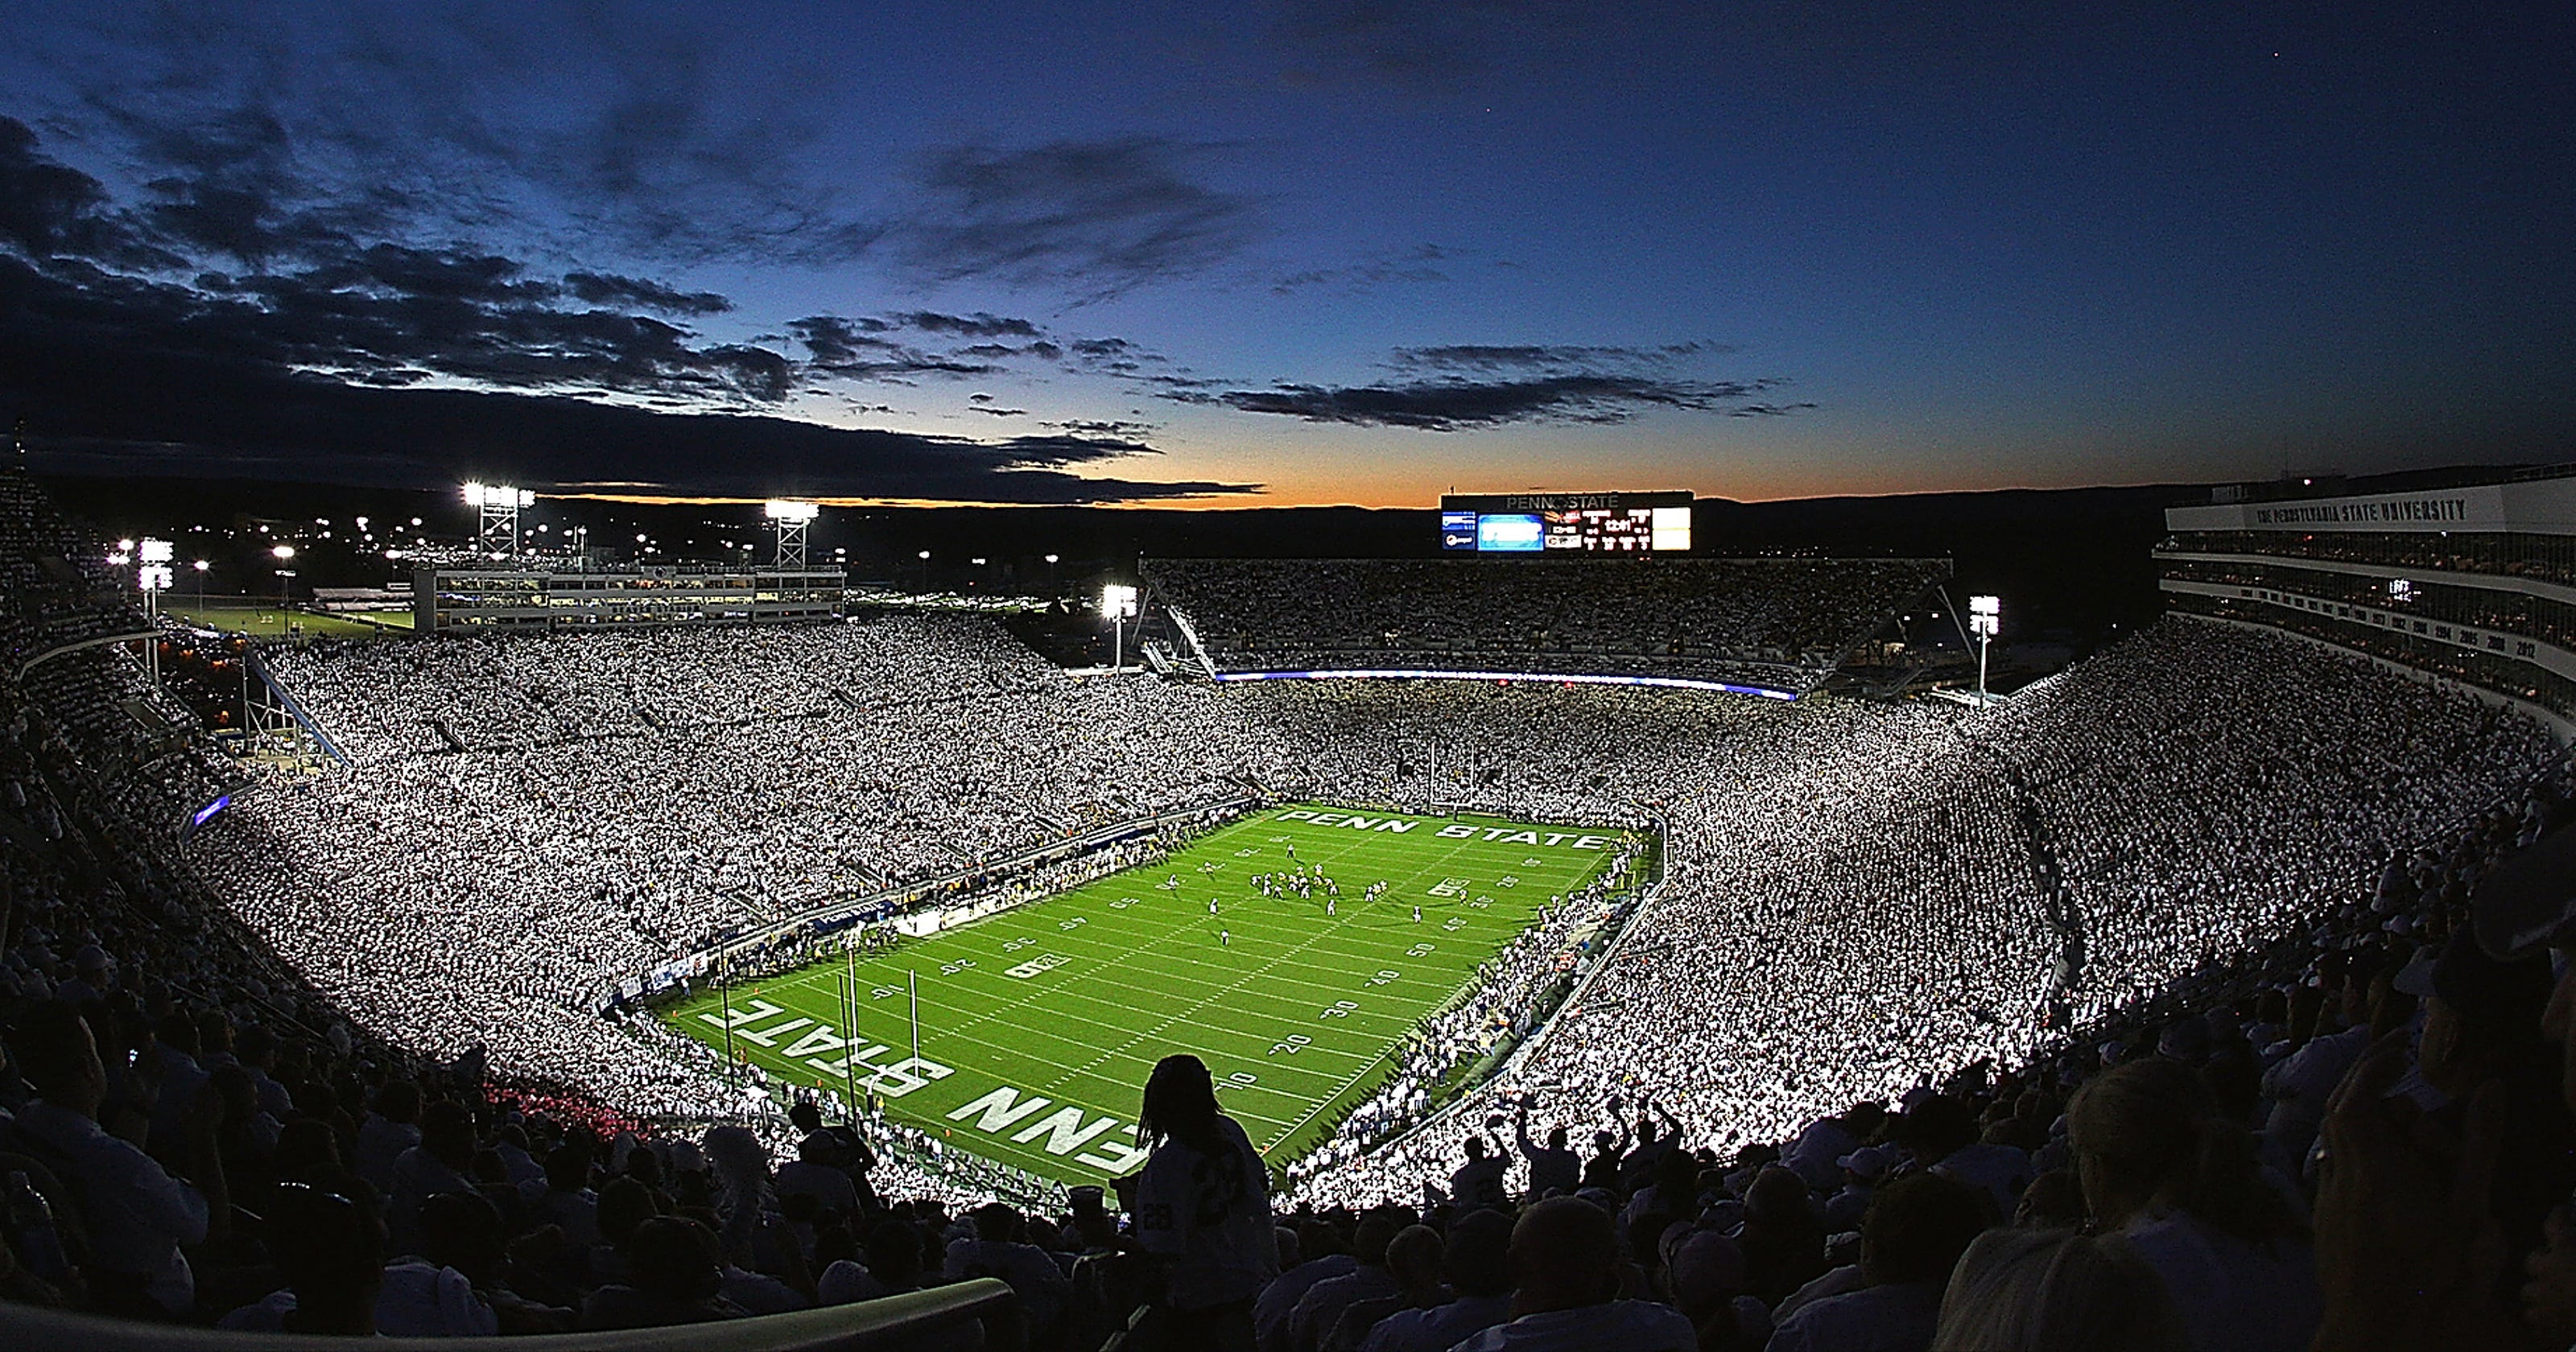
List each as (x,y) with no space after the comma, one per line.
(1331,252)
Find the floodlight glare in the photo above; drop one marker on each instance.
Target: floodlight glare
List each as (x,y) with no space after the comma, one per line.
(154,577)
(473,495)
(282,552)
(780,509)
(125,546)
(1118,602)
(155,551)
(1985,620)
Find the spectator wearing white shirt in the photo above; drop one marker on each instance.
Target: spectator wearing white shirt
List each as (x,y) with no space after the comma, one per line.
(1202,1205)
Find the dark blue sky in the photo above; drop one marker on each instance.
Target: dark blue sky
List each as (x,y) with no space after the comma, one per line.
(1296,252)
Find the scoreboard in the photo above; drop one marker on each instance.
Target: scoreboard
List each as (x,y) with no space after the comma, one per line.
(1566,523)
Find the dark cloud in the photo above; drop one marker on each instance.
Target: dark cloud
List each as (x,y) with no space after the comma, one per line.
(1102,217)
(856,349)
(600,288)
(50,210)
(1543,356)
(418,121)
(835,342)
(1418,264)
(1462,385)
(998,411)
(1105,427)
(976,325)
(213,413)
(315,357)
(1449,405)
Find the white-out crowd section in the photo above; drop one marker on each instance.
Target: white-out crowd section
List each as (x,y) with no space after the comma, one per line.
(1858,897)
(1777,622)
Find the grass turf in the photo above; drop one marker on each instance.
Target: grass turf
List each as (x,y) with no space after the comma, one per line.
(1039,1023)
(272,622)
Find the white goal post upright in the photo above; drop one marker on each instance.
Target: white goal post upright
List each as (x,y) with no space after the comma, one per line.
(850,1027)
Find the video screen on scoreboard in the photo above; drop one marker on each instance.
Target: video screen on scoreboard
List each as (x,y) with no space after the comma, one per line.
(1567,523)
(1510,533)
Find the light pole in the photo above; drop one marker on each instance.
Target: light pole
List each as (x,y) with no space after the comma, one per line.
(925,572)
(153,577)
(283,554)
(1118,602)
(1985,620)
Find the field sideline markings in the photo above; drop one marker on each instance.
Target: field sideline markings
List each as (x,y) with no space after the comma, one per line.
(1020,1054)
(1190,1013)
(1278,920)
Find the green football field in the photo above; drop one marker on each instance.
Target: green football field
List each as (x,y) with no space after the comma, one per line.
(1039,1024)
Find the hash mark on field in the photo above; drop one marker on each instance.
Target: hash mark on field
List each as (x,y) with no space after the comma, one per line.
(1221,992)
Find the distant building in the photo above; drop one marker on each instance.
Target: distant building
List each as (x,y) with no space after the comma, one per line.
(486,599)
(2473,582)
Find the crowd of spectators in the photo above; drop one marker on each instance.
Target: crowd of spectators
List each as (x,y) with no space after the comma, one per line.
(1769,622)
(1857,899)
(2179,1002)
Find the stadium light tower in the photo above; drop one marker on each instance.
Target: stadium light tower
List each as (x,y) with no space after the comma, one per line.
(791,519)
(1118,602)
(284,554)
(1985,620)
(153,576)
(498,532)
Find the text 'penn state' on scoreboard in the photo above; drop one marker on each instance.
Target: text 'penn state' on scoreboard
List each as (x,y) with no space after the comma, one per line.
(1566,523)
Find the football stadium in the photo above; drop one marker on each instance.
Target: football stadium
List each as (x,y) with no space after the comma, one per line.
(1324,676)
(1420,862)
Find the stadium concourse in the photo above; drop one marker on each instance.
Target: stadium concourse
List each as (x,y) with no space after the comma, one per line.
(1924,991)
